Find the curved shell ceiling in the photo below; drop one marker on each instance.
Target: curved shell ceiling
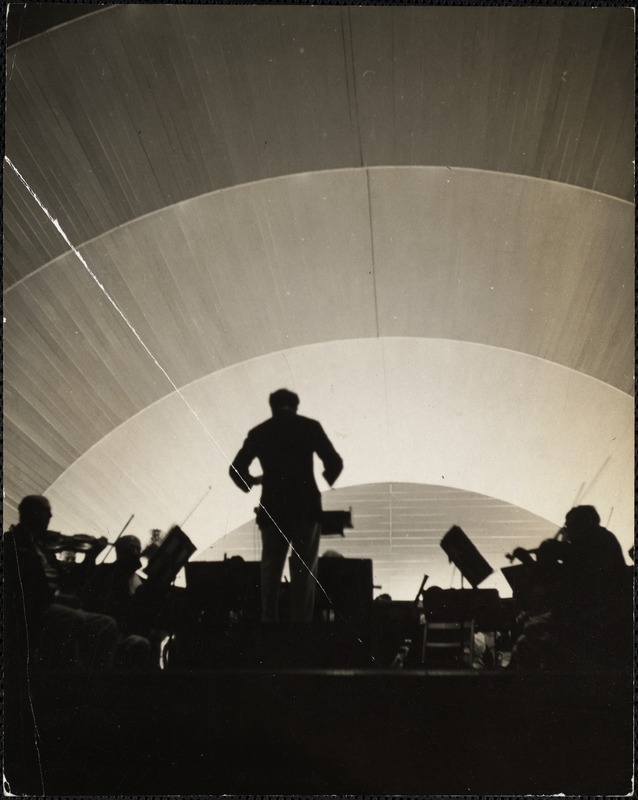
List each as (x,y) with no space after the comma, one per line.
(417,218)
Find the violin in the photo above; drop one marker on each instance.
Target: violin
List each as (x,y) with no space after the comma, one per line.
(538,580)
(56,542)
(550,550)
(522,554)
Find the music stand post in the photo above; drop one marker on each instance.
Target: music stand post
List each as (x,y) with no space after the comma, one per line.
(465,556)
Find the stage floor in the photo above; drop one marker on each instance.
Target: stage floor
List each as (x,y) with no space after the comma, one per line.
(331,731)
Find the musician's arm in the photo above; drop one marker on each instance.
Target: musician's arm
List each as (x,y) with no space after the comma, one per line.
(524,556)
(552,551)
(332,461)
(240,468)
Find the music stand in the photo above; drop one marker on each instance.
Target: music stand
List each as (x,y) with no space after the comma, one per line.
(515,576)
(169,558)
(465,556)
(333,522)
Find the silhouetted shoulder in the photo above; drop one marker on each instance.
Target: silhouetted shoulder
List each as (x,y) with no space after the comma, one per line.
(294,421)
(263,426)
(309,423)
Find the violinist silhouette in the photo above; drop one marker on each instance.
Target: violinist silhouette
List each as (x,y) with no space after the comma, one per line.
(583,619)
(290,507)
(38,614)
(112,586)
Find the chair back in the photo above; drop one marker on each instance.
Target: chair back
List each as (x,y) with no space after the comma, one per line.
(448,644)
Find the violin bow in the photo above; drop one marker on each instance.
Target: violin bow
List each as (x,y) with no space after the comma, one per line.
(197,505)
(114,542)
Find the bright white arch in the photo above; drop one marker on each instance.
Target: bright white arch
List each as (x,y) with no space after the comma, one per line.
(489,420)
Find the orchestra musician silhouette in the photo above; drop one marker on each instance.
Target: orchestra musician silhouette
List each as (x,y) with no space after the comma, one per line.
(573,592)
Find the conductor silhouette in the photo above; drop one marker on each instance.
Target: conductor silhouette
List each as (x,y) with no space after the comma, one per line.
(289,512)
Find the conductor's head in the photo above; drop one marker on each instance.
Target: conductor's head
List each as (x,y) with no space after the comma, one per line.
(283,401)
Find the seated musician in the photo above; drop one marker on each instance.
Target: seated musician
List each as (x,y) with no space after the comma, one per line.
(596,603)
(582,576)
(112,586)
(37,613)
(141,606)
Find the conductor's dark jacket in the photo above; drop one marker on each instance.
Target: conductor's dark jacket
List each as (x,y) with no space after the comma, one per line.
(285,445)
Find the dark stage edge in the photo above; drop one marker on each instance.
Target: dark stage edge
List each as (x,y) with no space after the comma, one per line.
(321,732)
